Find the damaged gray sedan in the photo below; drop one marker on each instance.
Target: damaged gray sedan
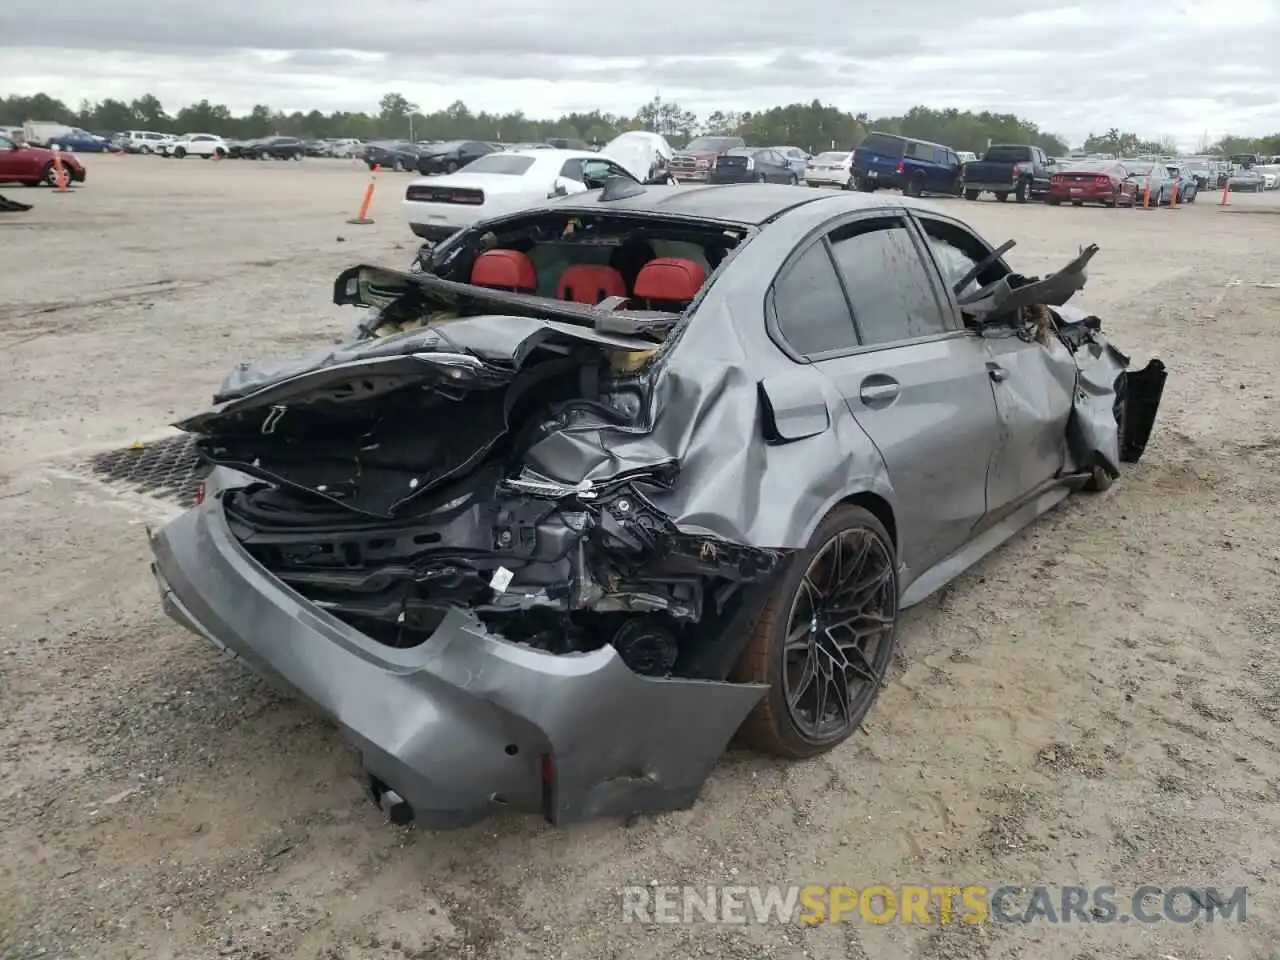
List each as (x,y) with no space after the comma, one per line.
(601,484)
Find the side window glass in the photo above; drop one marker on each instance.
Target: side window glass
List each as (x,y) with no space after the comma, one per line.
(812,313)
(572,169)
(956,252)
(889,284)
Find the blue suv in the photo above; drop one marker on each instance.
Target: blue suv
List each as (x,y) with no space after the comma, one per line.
(913,166)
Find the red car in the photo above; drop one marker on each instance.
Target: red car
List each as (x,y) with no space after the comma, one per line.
(1093,182)
(34,165)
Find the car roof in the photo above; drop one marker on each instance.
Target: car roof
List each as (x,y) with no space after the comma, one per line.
(750,204)
(903,137)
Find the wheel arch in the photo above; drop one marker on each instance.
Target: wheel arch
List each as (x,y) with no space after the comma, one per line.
(878,507)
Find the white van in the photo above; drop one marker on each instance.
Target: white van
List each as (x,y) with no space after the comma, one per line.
(141,141)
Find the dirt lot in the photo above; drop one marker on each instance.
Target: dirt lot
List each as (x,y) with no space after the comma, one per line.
(1098,703)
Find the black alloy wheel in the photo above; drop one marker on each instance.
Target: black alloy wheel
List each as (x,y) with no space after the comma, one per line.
(824,642)
(915,186)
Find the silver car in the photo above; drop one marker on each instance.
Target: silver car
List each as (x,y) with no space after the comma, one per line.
(615,477)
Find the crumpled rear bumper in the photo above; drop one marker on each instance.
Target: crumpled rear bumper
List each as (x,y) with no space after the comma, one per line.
(467,721)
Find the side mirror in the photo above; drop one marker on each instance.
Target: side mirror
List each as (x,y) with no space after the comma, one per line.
(559,189)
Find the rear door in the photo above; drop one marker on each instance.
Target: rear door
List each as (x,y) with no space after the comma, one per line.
(862,302)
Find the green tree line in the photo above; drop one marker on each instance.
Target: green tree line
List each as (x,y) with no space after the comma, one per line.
(1127,144)
(815,126)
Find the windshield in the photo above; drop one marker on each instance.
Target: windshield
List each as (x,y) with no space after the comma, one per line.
(445,147)
(1139,169)
(504,163)
(741,152)
(830,158)
(712,144)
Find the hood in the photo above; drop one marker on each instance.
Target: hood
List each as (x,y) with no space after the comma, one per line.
(638,152)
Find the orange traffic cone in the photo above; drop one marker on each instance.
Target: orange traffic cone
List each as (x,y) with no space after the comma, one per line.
(363,217)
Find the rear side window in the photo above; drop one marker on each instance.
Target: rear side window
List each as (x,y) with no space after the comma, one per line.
(1007,154)
(890,286)
(883,144)
(509,164)
(812,314)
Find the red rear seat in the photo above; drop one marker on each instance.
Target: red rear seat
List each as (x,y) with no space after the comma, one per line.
(669,282)
(505,270)
(589,283)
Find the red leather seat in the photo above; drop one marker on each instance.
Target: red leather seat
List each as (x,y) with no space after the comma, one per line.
(669,282)
(589,283)
(505,270)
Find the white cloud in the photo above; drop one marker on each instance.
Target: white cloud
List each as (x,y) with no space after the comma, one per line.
(1161,71)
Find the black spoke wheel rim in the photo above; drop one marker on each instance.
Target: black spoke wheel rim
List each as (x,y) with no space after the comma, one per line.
(839,637)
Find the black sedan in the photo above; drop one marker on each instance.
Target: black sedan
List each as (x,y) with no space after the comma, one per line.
(451,155)
(396,155)
(752,165)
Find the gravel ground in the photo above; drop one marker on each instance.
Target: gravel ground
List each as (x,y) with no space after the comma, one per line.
(1097,703)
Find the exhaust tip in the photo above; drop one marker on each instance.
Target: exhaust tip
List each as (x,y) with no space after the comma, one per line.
(396,809)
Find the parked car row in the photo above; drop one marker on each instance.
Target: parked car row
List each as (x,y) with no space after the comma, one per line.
(505,181)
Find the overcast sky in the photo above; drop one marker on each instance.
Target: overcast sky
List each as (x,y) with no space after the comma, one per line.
(1162,69)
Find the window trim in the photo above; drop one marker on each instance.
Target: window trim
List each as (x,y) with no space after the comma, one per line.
(821,234)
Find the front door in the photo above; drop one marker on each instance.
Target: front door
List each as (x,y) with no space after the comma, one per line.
(1031,385)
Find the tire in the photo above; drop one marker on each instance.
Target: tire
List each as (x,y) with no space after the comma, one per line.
(1002,196)
(914,187)
(971,194)
(179,154)
(298,157)
(144,149)
(1022,193)
(778,724)
(761,178)
(1192,198)
(219,153)
(793,180)
(450,167)
(851,183)
(866,186)
(1077,203)
(48,176)
(398,166)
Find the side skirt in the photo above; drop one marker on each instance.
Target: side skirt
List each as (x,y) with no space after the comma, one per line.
(991,535)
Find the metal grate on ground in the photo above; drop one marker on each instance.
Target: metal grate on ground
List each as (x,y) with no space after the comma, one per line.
(169,469)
